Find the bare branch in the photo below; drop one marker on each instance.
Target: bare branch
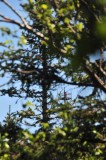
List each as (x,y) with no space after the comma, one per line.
(100,69)
(26,72)
(15,11)
(97,81)
(21,25)
(72,29)
(8,20)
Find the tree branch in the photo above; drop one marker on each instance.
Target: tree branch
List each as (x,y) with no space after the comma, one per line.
(21,25)
(57,79)
(25,25)
(15,11)
(9,20)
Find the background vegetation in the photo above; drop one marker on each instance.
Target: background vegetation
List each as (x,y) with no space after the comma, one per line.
(49,64)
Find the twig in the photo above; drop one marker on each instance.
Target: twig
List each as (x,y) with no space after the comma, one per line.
(97,81)
(100,69)
(2,85)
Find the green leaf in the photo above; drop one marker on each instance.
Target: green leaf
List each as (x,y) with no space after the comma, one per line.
(101,29)
(80,26)
(44,6)
(30,104)
(45,125)
(22,41)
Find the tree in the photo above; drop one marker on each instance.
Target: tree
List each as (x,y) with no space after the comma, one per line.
(54,49)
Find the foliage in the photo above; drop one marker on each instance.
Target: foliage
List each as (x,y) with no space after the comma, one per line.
(53,51)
